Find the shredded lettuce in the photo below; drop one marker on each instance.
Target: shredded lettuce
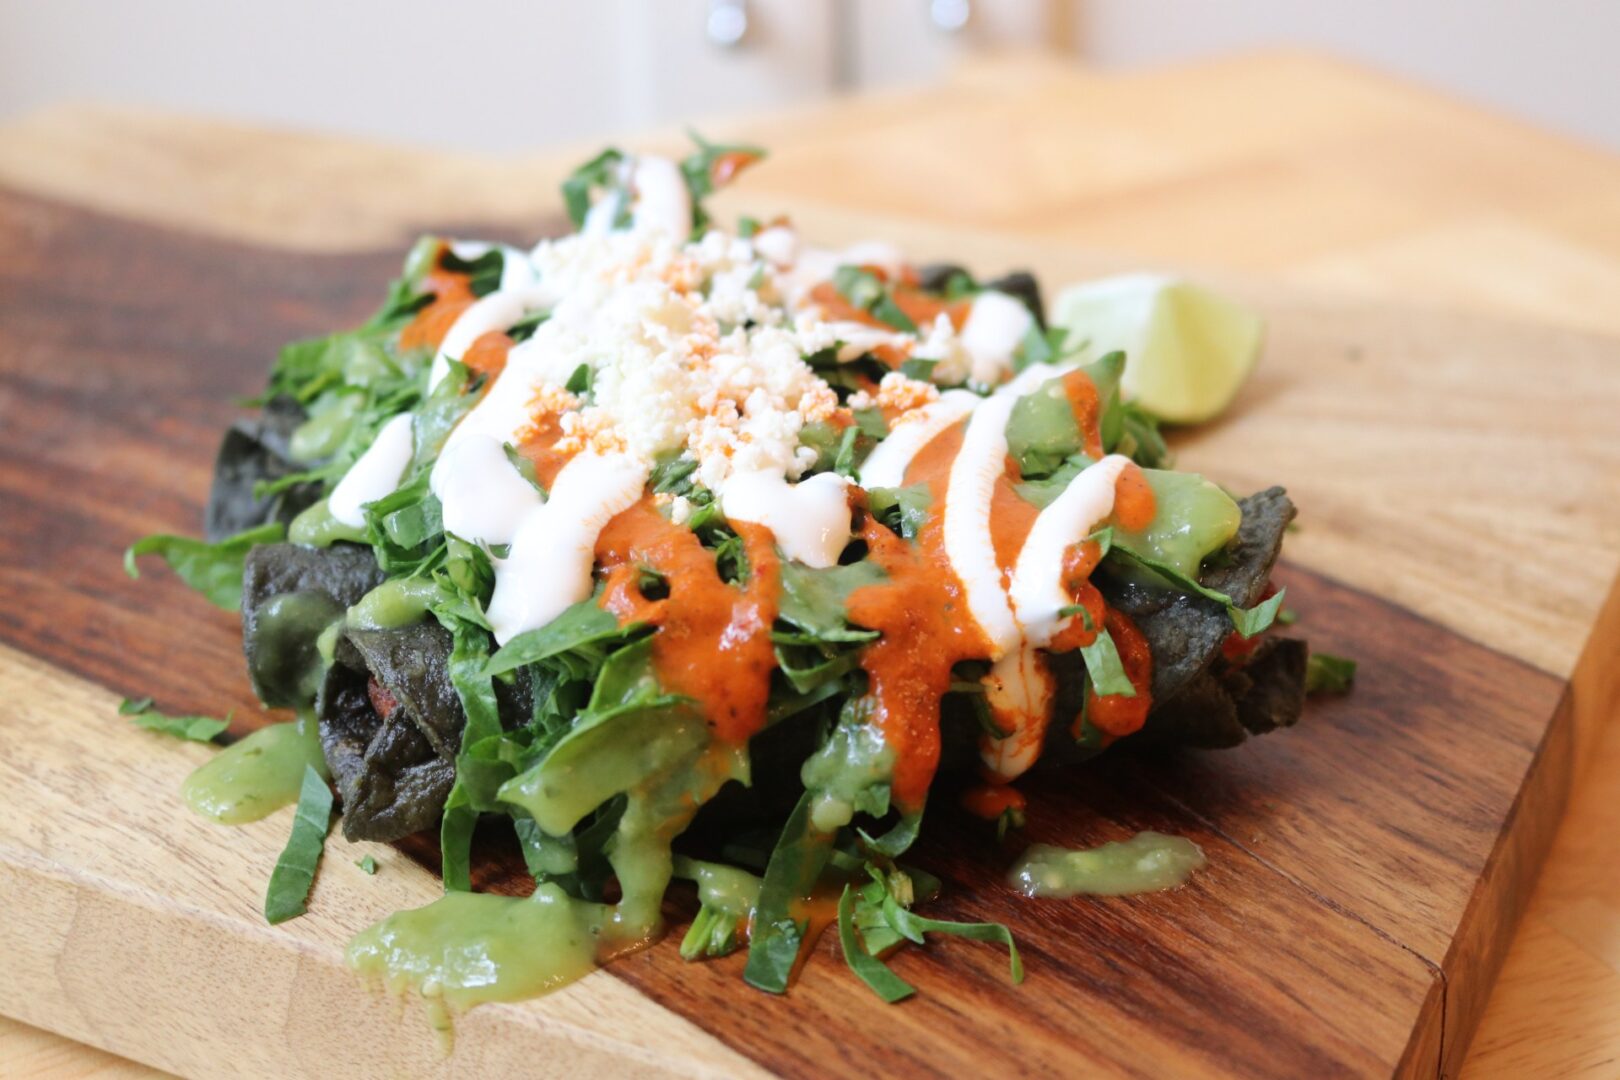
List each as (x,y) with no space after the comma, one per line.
(195,728)
(215,570)
(287,895)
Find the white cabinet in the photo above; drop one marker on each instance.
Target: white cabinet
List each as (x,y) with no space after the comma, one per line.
(492,75)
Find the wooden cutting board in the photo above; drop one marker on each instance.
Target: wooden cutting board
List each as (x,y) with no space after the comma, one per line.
(1366,867)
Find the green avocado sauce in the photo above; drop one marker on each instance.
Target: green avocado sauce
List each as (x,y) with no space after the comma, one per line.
(330,419)
(1147,862)
(466,948)
(396,602)
(725,887)
(316,527)
(257,775)
(1193,518)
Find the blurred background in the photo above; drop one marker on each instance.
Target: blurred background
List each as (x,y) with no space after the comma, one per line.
(501,75)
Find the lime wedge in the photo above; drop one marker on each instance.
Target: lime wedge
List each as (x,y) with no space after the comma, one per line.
(1186,350)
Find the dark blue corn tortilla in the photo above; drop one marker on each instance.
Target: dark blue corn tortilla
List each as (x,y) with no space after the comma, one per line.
(255,450)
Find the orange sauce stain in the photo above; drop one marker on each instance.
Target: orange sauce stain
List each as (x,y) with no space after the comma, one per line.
(924,308)
(1115,714)
(1134,505)
(713,642)
(1011,518)
(1079,560)
(920,307)
(382,699)
(1082,394)
(728,166)
(922,613)
(487,354)
(816,913)
(990,801)
(538,444)
(452,295)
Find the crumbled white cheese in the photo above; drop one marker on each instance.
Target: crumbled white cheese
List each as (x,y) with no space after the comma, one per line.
(695,347)
(896,393)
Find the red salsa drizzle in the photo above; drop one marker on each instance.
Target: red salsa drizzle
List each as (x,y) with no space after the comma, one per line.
(1237,649)
(921,609)
(538,444)
(1082,395)
(1134,504)
(1116,714)
(991,800)
(452,295)
(922,614)
(713,641)
(486,356)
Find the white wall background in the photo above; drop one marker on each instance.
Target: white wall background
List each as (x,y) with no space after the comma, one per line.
(1555,62)
(501,75)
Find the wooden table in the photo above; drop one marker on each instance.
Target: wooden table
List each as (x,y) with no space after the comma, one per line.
(1285,166)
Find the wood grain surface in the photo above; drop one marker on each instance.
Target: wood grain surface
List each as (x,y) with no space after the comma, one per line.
(1253,196)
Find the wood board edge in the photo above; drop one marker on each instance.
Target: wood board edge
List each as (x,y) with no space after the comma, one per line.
(221,993)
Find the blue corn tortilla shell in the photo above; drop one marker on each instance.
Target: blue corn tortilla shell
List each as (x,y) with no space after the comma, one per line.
(1200,699)
(256,450)
(289,595)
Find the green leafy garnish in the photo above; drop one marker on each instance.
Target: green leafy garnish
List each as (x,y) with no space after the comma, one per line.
(912,927)
(215,570)
(1329,674)
(865,291)
(584,624)
(367,865)
(194,728)
(1105,669)
(580,381)
(1246,621)
(902,509)
(713,933)
(872,971)
(796,863)
(814,599)
(1251,621)
(1039,346)
(698,169)
(524,466)
(881,911)
(599,172)
(288,894)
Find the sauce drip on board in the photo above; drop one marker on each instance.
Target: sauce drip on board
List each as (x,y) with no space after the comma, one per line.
(1147,862)
(257,775)
(991,800)
(465,949)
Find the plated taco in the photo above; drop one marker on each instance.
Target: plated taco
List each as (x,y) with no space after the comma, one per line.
(663,529)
